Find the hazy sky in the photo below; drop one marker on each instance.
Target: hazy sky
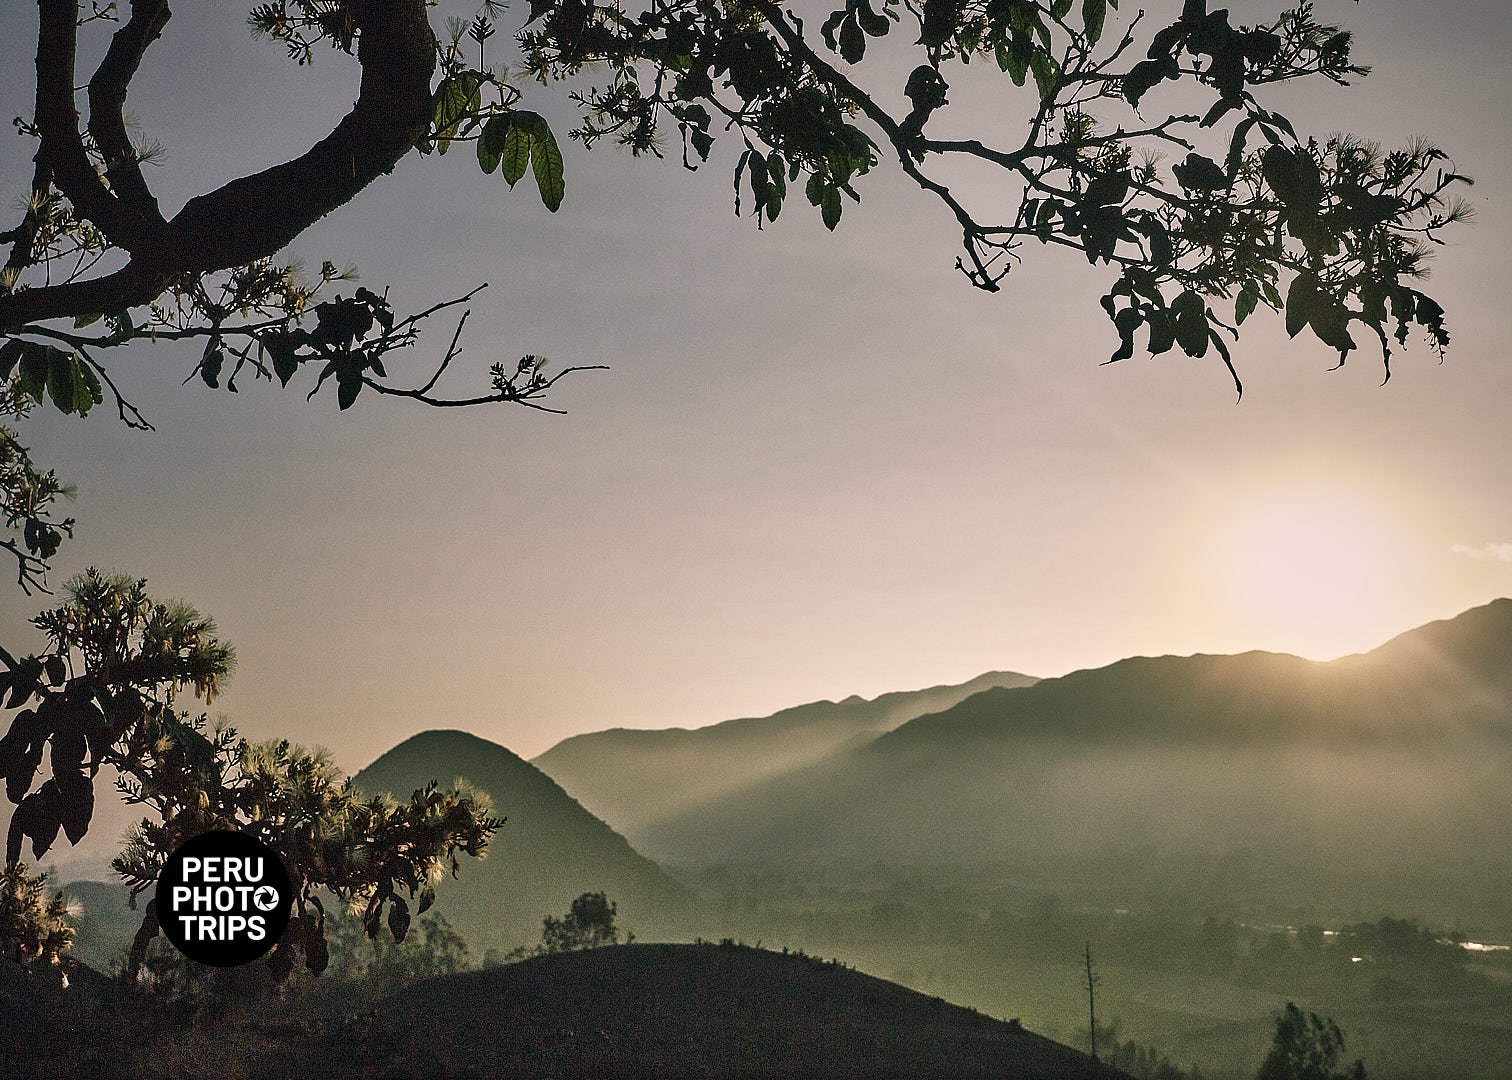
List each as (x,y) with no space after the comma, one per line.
(819,465)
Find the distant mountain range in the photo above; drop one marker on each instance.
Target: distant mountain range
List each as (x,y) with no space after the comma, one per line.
(635,778)
(1386,776)
(549,851)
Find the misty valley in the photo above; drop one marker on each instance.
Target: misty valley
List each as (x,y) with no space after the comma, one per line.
(1209,837)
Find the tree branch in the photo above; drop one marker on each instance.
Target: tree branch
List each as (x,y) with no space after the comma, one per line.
(257,216)
(58,125)
(107,100)
(249,218)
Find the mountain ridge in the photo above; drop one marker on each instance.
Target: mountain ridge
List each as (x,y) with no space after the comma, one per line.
(630,777)
(1144,771)
(550,849)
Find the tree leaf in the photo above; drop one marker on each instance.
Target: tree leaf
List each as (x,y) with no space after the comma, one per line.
(938,22)
(514,156)
(829,208)
(761,181)
(1244,306)
(1110,189)
(1094,12)
(1299,303)
(74,389)
(491,142)
(1198,173)
(1162,332)
(285,362)
(1189,315)
(1046,73)
(874,24)
(10,355)
(814,189)
(33,371)
(1127,321)
(347,389)
(546,160)
(399,919)
(75,803)
(1142,77)
(457,97)
(210,368)
(852,42)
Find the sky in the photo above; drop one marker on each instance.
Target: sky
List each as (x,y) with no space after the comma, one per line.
(818,464)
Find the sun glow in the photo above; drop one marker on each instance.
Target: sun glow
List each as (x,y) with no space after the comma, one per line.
(1311,565)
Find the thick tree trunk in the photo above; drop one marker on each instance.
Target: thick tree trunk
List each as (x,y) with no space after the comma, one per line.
(247,219)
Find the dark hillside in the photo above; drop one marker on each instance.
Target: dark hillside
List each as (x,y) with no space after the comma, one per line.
(627,1011)
(686,1011)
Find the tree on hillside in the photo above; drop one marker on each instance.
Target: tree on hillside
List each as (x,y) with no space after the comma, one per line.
(1307,1047)
(588,924)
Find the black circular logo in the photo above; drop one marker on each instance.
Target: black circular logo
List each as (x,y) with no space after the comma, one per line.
(223,898)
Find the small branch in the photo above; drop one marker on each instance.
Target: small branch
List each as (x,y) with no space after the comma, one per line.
(516,395)
(451,352)
(130,286)
(23,237)
(30,570)
(130,415)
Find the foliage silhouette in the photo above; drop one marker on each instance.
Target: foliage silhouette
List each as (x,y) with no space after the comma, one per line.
(1332,232)
(587,925)
(432,947)
(106,693)
(34,920)
(1307,1047)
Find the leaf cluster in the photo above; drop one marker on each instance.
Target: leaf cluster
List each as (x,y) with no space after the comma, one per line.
(35,927)
(28,494)
(101,695)
(376,855)
(1332,234)
(104,695)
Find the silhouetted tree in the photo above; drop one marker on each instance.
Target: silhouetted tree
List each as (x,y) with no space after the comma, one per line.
(1139,1060)
(1091,982)
(587,925)
(1307,1047)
